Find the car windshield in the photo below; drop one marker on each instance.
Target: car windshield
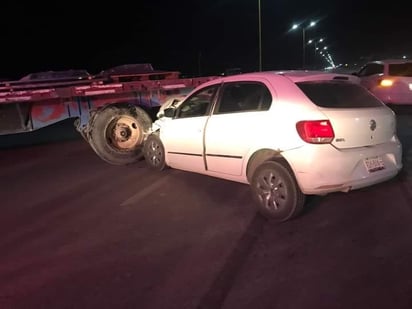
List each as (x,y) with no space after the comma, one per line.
(338,95)
(400,69)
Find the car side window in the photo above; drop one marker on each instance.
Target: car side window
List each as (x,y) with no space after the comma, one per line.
(244,97)
(198,104)
(371,69)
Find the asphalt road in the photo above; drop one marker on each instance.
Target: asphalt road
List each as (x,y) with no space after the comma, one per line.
(76,232)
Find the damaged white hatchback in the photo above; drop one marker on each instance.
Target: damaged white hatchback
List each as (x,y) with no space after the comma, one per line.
(286,134)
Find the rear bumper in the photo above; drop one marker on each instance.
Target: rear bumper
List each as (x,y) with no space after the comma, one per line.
(322,169)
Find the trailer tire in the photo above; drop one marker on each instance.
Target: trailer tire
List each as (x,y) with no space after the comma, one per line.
(117,134)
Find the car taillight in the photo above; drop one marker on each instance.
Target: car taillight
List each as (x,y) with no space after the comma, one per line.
(315,131)
(385,82)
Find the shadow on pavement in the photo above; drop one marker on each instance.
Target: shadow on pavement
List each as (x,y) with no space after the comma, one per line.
(61,131)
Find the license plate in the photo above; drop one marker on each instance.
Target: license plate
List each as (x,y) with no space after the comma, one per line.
(374,164)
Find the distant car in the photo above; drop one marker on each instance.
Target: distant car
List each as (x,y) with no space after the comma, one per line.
(287,134)
(390,80)
(65,75)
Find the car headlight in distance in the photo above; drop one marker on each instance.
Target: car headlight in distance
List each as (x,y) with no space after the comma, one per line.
(385,82)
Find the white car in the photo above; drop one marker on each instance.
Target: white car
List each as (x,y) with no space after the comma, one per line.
(172,101)
(390,80)
(287,134)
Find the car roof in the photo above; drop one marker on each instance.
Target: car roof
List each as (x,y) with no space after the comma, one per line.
(306,75)
(293,75)
(391,61)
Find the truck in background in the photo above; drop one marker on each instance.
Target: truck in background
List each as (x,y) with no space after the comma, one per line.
(113,110)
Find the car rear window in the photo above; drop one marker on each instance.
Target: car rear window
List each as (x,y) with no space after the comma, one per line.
(338,94)
(400,69)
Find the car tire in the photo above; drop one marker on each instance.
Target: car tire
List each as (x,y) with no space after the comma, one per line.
(276,192)
(154,153)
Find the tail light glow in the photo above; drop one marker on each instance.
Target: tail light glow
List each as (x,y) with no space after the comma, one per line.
(315,131)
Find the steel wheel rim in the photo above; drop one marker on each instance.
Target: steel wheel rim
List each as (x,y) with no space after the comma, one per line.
(272,191)
(124,133)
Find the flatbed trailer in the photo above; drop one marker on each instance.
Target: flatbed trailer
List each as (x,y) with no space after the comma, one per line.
(112,110)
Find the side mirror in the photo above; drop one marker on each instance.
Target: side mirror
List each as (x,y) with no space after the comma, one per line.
(169,112)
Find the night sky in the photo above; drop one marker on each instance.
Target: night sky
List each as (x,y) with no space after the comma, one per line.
(195,37)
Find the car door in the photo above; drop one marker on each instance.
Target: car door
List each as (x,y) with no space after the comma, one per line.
(183,135)
(234,125)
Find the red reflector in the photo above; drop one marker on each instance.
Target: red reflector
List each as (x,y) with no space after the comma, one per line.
(315,131)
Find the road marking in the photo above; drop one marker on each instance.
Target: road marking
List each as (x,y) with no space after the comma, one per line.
(146,191)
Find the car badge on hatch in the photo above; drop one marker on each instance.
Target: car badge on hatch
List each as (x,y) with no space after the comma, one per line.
(372,124)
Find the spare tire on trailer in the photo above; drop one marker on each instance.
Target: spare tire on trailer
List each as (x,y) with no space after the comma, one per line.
(117,133)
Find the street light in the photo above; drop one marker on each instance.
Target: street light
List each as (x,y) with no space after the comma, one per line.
(260,36)
(315,42)
(296,26)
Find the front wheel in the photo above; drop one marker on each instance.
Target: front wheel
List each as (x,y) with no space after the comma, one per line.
(276,192)
(117,133)
(154,153)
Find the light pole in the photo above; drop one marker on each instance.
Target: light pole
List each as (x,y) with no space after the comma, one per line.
(260,36)
(295,26)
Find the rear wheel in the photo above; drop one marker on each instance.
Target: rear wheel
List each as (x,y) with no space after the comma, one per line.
(154,153)
(117,134)
(276,192)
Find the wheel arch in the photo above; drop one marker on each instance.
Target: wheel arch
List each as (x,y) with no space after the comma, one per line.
(261,156)
(96,111)
(84,129)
